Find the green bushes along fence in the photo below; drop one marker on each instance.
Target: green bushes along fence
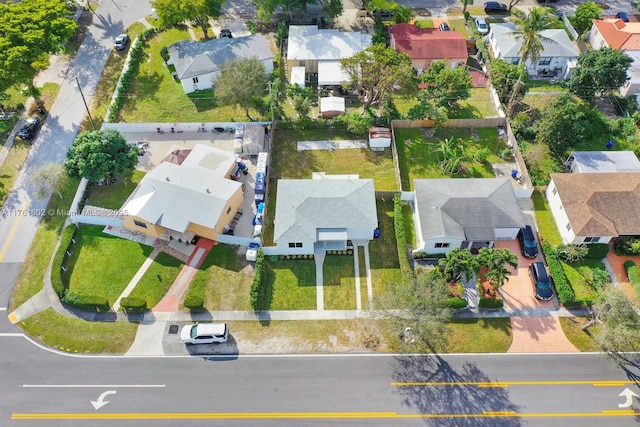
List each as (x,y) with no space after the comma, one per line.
(563,287)
(59,277)
(401,237)
(633,272)
(133,305)
(256,285)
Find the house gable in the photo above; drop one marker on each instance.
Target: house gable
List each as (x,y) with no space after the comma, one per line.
(428,43)
(618,34)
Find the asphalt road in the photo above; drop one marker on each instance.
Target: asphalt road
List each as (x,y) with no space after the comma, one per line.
(40,388)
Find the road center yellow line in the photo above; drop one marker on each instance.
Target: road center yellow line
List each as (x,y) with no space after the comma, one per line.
(13,231)
(616,383)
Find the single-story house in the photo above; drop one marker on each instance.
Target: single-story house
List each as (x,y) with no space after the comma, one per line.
(595,207)
(558,57)
(467,213)
(632,86)
(426,45)
(614,33)
(198,64)
(602,162)
(319,51)
(180,201)
(320,214)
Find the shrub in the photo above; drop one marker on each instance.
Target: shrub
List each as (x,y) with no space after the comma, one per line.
(630,246)
(256,286)
(455,303)
(634,276)
(490,303)
(57,274)
(597,250)
(571,253)
(133,304)
(563,287)
(401,239)
(251,26)
(194,302)
(482,155)
(86,302)
(164,53)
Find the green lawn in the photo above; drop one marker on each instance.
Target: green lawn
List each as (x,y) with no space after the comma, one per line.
(103,265)
(547,229)
(289,285)
(155,283)
(574,273)
(79,336)
(339,283)
(11,167)
(364,294)
(543,86)
(113,196)
(583,340)
(479,105)
(480,335)
(424,23)
(383,252)
(223,281)
(155,96)
(418,156)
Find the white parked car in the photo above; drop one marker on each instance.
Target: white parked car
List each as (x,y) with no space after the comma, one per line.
(481,25)
(205,333)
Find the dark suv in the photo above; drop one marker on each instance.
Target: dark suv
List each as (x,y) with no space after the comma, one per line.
(494,7)
(541,281)
(30,128)
(528,245)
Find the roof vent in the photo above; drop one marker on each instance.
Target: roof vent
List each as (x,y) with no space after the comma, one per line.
(208,191)
(167,178)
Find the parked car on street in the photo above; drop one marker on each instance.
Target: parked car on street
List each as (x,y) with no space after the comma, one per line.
(121,42)
(541,281)
(527,240)
(205,333)
(225,32)
(444,26)
(623,16)
(30,128)
(494,7)
(481,25)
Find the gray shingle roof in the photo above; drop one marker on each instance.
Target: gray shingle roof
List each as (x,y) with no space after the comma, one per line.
(192,58)
(466,208)
(510,46)
(304,205)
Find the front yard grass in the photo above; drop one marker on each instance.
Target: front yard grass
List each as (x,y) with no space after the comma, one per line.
(383,252)
(492,335)
(547,229)
(583,340)
(583,291)
(103,265)
(339,283)
(11,167)
(418,156)
(289,285)
(223,280)
(157,280)
(113,196)
(79,336)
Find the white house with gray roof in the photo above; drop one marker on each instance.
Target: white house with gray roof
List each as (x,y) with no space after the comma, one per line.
(198,64)
(558,57)
(320,214)
(467,213)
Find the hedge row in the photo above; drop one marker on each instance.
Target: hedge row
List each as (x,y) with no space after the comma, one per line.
(490,303)
(563,287)
(136,55)
(422,255)
(256,285)
(87,302)
(133,305)
(633,272)
(401,238)
(194,303)
(455,303)
(58,261)
(287,257)
(597,250)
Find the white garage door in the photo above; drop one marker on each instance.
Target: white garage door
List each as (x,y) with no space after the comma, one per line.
(506,233)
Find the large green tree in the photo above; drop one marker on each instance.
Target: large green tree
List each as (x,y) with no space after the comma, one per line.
(585,13)
(266,8)
(600,70)
(444,86)
(172,12)
(377,72)
(242,82)
(504,76)
(30,30)
(99,155)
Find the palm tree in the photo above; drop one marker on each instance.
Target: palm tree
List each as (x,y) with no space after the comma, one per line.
(458,262)
(496,261)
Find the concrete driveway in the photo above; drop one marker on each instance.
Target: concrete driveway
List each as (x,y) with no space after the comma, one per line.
(531,334)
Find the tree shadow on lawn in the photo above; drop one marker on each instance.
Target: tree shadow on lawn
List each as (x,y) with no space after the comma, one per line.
(464,110)
(223,256)
(453,399)
(203,100)
(485,324)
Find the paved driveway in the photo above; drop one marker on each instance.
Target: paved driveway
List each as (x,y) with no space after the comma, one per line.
(531,334)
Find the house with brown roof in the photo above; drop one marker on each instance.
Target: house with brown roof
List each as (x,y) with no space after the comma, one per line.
(595,207)
(426,45)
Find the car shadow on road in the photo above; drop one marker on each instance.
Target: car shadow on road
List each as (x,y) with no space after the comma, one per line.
(216,352)
(463,398)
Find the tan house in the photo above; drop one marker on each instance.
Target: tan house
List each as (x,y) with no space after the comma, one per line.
(426,45)
(188,198)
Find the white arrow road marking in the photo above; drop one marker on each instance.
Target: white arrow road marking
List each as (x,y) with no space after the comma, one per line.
(101,402)
(629,395)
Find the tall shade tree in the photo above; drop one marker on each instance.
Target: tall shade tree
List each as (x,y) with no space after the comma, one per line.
(242,82)
(99,155)
(600,70)
(49,178)
(585,14)
(172,12)
(333,8)
(30,30)
(458,263)
(376,73)
(444,86)
(266,8)
(465,4)
(504,76)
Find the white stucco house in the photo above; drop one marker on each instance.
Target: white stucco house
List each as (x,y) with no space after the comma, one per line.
(467,213)
(198,64)
(595,207)
(558,57)
(320,214)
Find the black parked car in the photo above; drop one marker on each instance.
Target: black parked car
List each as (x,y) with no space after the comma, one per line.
(30,128)
(528,244)
(494,7)
(225,32)
(541,281)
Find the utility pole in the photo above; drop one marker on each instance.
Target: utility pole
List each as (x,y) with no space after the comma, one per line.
(93,126)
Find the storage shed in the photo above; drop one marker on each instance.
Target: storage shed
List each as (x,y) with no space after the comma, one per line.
(331,106)
(379,137)
(253,141)
(297,76)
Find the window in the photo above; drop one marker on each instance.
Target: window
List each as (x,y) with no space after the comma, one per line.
(298,245)
(301,64)
(591,240)
(544,61)
(568,227)
(515,61)
(292,245)
(441,245)
(139,223)
(554,191)
(195,80)
(295,245)
(228,210)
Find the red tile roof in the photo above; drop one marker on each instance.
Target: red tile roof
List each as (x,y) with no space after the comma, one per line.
(428,43)
(619,34)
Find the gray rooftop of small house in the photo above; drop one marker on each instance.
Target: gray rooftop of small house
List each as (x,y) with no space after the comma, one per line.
(466,208)
(192,58)
(606,161)
(555,43)
(304,205)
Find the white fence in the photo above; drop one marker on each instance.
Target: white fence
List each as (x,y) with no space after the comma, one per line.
(177,127)
(236,240)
